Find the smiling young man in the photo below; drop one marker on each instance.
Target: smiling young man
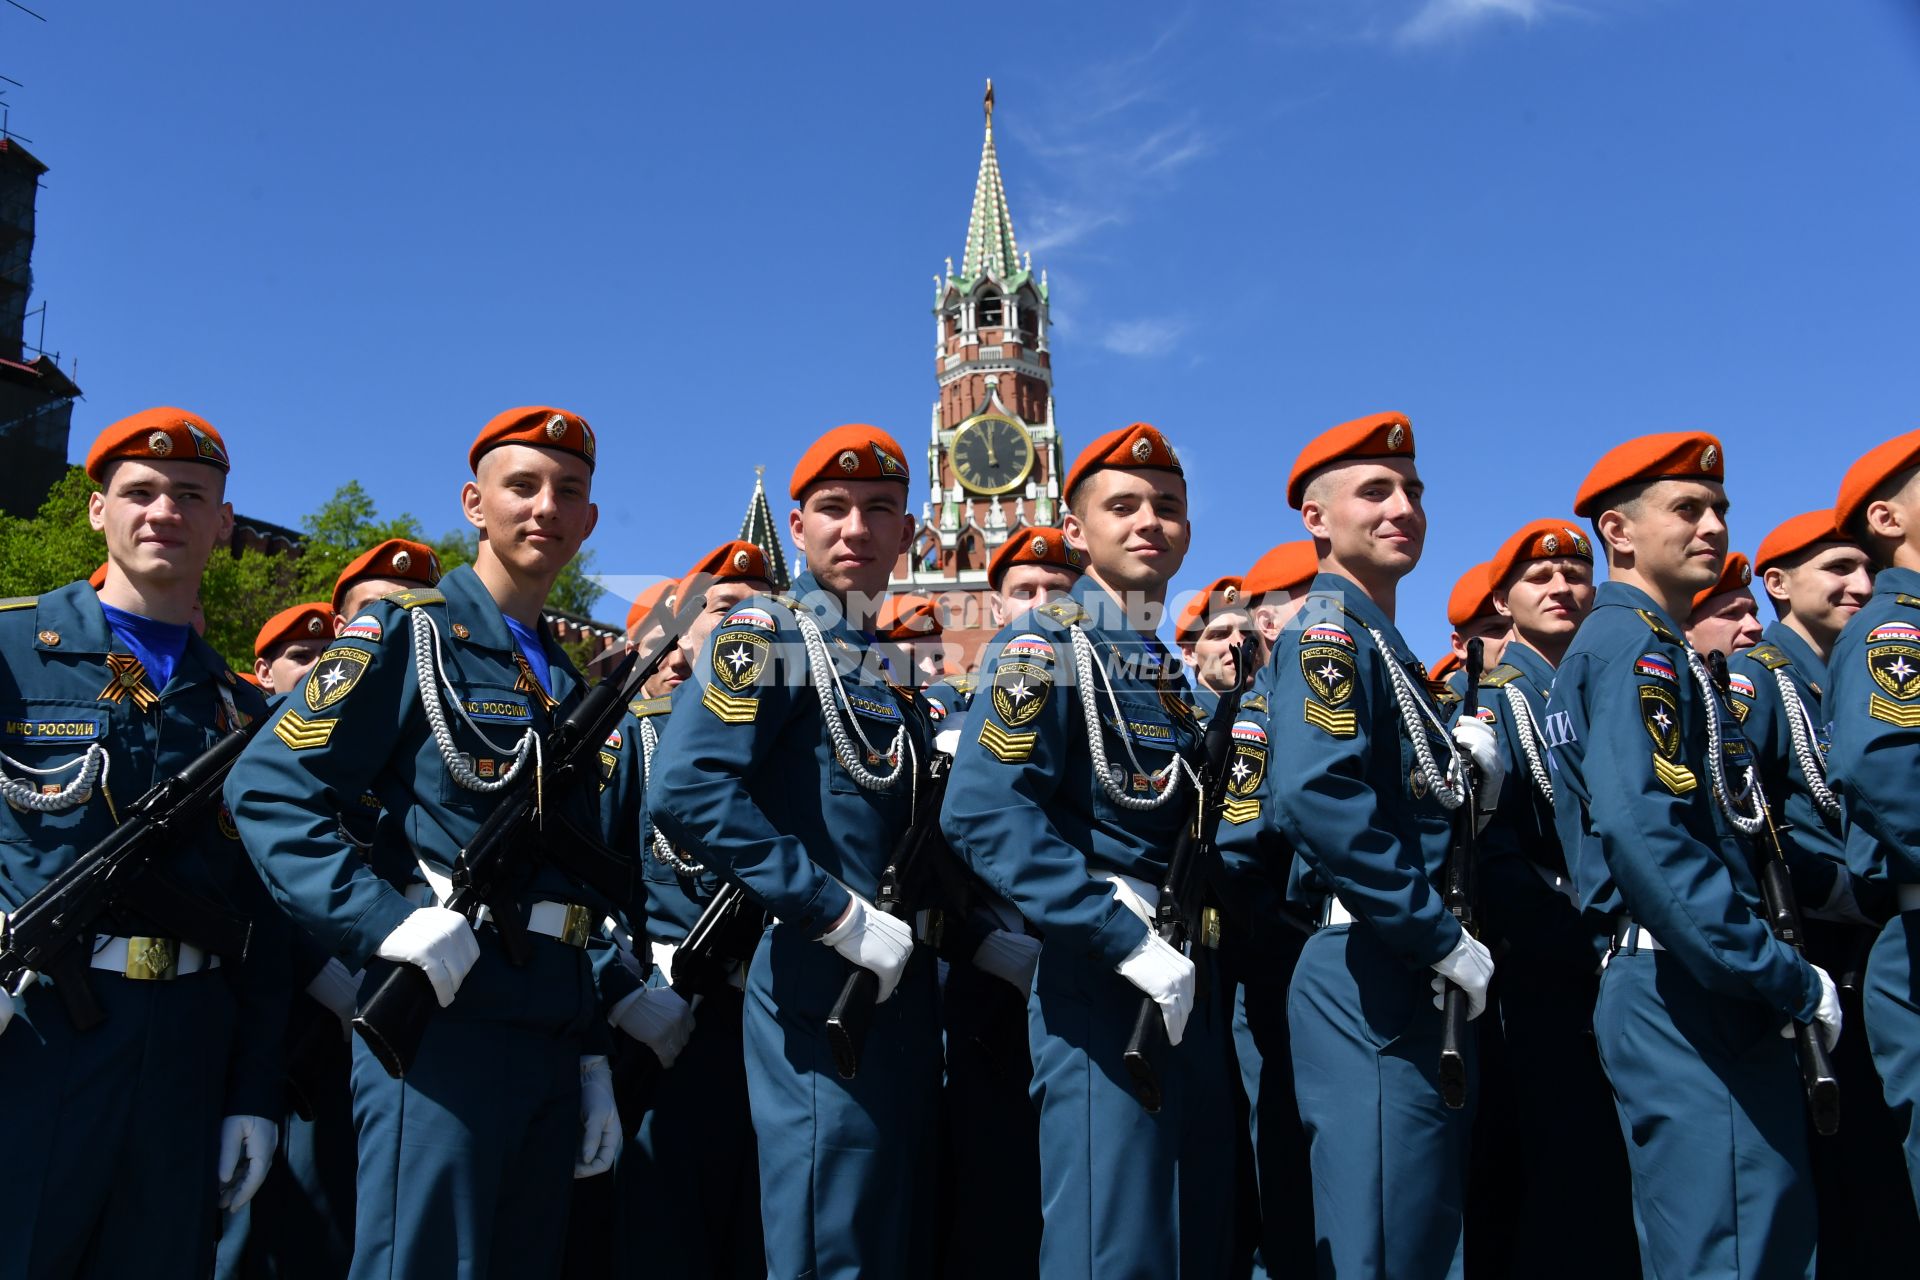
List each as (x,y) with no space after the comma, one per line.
(1070,812)
(1724,616)
(1698,999)
(798,784)
(688,1190)
(1357,787)
(1555,1111)
(120,1139)
(433,700)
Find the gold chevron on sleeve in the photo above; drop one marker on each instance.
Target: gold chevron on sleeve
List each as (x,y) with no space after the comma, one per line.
(1893,713)
(1238,811)
(300,733)
(1341,724)
(730,709)
(1009,748)
(1676,778)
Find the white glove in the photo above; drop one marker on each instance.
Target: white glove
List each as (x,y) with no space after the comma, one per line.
(599,1118)
(439,942)
(1009,957)
(1474,737)
(1469,966)
(257,1137)
(1165,975)
(338,988)
(1827,1017)
(874,940)
(658,1018)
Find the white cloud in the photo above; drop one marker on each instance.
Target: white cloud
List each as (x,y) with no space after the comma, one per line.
(1149,337)
(1438,20)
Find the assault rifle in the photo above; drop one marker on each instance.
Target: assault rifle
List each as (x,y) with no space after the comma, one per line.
(1178,916)
(53,931)
(520,833)
(1782,906)
(1459,893)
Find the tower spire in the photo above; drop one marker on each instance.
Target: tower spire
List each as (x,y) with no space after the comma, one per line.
(991,249)
(759,529)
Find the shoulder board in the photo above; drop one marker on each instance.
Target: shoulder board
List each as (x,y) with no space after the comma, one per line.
(1443,693)
(1770,656)
(1504,674)
(784,600)
(1656,626)
(414,597)
(1912,602)
(1254,702)
(1066,612)
(962,683)
(644,707)
(18,602)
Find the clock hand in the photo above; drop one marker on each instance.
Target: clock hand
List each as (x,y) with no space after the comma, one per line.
(991,460)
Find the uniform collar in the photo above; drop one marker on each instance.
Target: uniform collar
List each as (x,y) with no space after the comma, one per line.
(472,609)
(806,591)
(70,620)
(1630,597)
(1812,668)
(1896,582)
(1346,594)
(1529,662)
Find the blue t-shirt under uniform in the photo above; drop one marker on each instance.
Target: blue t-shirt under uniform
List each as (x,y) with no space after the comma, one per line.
(158,645)
(534,652)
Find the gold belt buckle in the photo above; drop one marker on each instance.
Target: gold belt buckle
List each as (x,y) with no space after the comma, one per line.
(152,959)
(1210,928)
(578,925)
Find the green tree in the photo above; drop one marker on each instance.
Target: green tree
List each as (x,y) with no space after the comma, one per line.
(54,546)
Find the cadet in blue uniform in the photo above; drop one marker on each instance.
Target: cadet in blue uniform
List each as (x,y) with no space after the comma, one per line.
(1208,631)
(1724,616)
(1873,701)
(120,1139)
(1562,1140)
(1471,614)
(689,1187)
(1069,811)
(1262,939)
(434,700)
(1360,782)
(789,764)
(1816,580)
(1652,790)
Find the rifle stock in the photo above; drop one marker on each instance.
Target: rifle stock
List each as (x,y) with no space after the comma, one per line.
(1459,898)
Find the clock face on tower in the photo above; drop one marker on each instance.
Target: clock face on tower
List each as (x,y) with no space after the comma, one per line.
(992,454)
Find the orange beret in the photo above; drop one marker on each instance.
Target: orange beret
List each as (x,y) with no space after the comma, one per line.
(1471,597)
(853,452)
(1790,537)
(98,578)
(1540,540)
(400,558)
(1139,447)
(539,425)
(157,435)
(1378,435)
(1671,455)
(301,622)
(1041,544)
(1440,670)
(1288,567)
(646,602)
(907,617)
(1735,575)
(735,561)
(250,678)
(1875,467)
(1222,595)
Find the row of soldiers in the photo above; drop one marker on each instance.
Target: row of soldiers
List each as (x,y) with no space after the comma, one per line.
(1637,1083)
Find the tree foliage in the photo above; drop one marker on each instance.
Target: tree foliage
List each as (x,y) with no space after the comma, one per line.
(240,592)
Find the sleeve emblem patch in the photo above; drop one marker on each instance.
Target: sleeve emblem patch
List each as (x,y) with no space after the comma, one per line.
(729,709)
(1327,633)
(739,658)
(365,627)
(1896,669)
(300,733)
(1020,687)
(1329,672)
(1008,748)
(334,676)
(1247,768)
(1339,724)
(1660,713)
(1657,666)
(749,617)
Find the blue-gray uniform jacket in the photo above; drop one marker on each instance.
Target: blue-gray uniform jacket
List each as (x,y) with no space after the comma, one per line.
(1343,787)
(67,685)
(1815,844)
(731,788)
(1257,863)
(1873,705)
(1633,800)
(357,725)
(1024,808)
(674,899)
(948,700)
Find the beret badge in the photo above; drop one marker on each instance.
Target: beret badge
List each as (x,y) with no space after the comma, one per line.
(402,561)
(556,428)
(1142,449)
(160,444)
(740,561)
(1038,546)
(1709,456)
(1550,545)
(1396,436)
(849,461)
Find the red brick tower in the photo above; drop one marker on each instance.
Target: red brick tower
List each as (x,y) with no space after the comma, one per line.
(994,459)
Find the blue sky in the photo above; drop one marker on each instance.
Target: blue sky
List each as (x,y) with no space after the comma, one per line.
(349,234)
